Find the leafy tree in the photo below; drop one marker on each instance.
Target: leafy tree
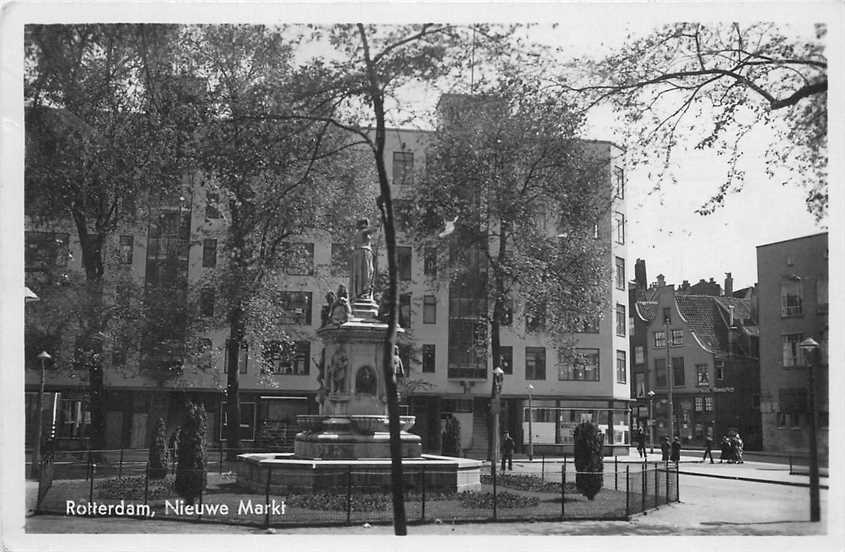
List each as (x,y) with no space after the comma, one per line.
(271,177)
(95,147)
(191,454)
(158,451)
(713,85)
(589,442)
(507,170)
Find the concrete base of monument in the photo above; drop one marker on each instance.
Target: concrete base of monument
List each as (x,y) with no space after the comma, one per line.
(289,474)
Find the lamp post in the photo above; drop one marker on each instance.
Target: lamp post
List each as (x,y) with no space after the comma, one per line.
(651,420)
(669,378)
(530,420)
(811,347)
(35,469)
(495,409)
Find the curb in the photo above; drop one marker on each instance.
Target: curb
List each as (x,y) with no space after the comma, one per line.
(750,479)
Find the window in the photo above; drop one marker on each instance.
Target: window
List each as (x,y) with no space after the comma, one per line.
(405,310)
(209,253)
(720,370)
(667,315)
(428,358)
(295,307)
(621,320)
(678,371)
(660,372)
(403,255)
(403,168)
(507,312)
(596,230)
(212,210)
(536,321)
(639,354)
(287,358)
(120,347)
(619,226)
(430,261)
(821,295)
(699,404)
(708,404)
(792,354)
(621,367)
(702,375)
(126,248)
(506,359)
(341,259)
(207,302)
(74,417)
(583,367)
(243,357)
(619,182)
(660,339)
(429,309)
(791,298)
(247,420)
(620,273)
(45,250)
(204,359)
(299,259)
(535,363)
(792,405)
(677,337)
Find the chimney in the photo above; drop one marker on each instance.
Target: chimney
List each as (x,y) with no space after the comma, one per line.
(661,280)
(729,285)
(731,308)
(640,275)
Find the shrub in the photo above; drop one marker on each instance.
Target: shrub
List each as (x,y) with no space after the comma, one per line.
(452,437)
(132,488)
(191,455)
(158,451)
(589,443)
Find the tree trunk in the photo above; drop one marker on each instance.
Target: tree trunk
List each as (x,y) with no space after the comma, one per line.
(496,321)
(233,403)
(386,206)
(92,262)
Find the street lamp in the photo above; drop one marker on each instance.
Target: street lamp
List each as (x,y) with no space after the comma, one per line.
(35,469)
(810,347)
(495,409)
(651,419)
(669,378)
(530,420)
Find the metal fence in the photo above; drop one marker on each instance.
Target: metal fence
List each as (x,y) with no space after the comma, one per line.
(129,488)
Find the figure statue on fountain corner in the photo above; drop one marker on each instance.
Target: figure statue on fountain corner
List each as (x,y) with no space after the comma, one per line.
(326,311)
(398,369)
(322,391)
(341,310)
(363,269)
(339,367)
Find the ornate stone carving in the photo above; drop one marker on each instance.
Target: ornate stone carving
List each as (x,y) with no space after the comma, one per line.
(361,278)
(366,381)
(341,310)
(339,368)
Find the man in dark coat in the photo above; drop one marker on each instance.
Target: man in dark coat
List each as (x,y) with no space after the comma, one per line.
(708,449)
(664,449)
(507,451)
(641,443)
(676,450)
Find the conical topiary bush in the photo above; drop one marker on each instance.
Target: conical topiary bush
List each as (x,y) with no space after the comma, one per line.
(589,466)
(191,456)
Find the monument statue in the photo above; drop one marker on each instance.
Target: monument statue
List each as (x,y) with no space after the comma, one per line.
(339,367)
(361,279)
(340,311)
(326,311)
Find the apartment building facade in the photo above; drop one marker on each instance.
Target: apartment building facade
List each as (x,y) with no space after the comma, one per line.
(793,280)
(176,252)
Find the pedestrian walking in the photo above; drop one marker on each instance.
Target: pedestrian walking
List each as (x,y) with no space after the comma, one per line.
(739,448)
(641,443)
(508,447)
(676,450)
(708,449)
(725,446)
(664,449)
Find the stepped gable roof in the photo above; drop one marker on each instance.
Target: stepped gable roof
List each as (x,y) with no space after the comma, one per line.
(646,310)
(700,313)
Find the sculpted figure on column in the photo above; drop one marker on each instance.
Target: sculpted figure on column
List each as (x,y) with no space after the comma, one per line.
(361,280)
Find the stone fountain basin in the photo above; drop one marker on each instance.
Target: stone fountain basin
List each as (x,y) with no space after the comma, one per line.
(288,473)
(366,424)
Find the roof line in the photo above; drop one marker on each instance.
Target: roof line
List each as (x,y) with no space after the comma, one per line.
(793,239)
(700,343)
